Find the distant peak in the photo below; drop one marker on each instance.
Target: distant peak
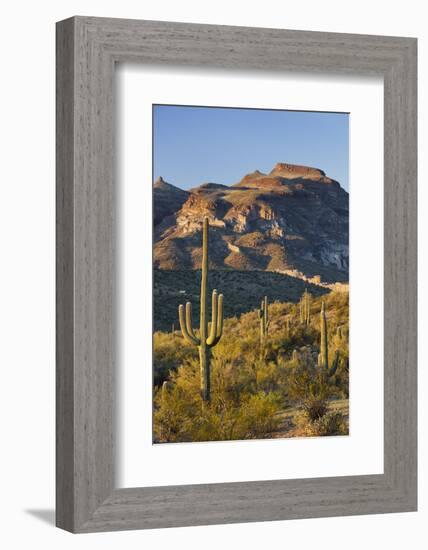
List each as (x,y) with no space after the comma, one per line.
(160,181)
(255,174)
(163,186)
(250,177)
(286,170)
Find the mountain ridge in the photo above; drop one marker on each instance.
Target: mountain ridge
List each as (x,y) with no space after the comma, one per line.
(293,220)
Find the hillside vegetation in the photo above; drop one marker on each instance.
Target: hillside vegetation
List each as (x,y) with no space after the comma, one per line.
(244,290)
(273,387)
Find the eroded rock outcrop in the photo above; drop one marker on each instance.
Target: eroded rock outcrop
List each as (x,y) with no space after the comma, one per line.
(294,219)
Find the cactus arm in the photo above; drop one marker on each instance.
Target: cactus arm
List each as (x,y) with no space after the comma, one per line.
(213,328)
(220,317)
(335,364)
(189,324)
(219,330)
(188,337)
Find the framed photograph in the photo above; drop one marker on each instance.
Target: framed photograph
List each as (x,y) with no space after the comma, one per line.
(236,274)
(278,240)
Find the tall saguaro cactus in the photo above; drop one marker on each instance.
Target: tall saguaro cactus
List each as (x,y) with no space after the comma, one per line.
(206,340)
(323,354)
(305,308)
(264,320)
(308,308)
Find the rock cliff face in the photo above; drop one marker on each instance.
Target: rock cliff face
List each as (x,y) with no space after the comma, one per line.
(167,200)
(293,220)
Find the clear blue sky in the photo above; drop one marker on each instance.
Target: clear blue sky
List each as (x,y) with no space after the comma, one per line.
(193,145)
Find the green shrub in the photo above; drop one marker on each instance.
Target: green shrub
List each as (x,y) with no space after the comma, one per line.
(259,415)
(169,351)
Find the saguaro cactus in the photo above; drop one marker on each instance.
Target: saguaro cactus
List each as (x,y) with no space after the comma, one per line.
(325,370)
(334,365)
(206,340)
(308,308)
(323,357)
(305,308)
(264,320)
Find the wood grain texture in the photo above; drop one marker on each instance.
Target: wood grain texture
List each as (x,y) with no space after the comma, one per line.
(64,277)
(87,50)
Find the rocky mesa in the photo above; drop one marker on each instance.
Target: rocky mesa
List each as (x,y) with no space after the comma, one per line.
(293,220)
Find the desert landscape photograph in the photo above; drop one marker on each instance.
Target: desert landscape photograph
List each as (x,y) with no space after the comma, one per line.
(250,274)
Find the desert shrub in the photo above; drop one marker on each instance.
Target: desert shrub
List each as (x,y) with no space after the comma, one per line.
(314,408)
(267,376)
(212,423)
(306,383)
(169,351)
(309,386)
(259,415)
(340,381)
(170,415)
(236,410)
(332,423)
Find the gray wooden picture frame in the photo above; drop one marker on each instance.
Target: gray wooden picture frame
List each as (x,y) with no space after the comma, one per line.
(87,50)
